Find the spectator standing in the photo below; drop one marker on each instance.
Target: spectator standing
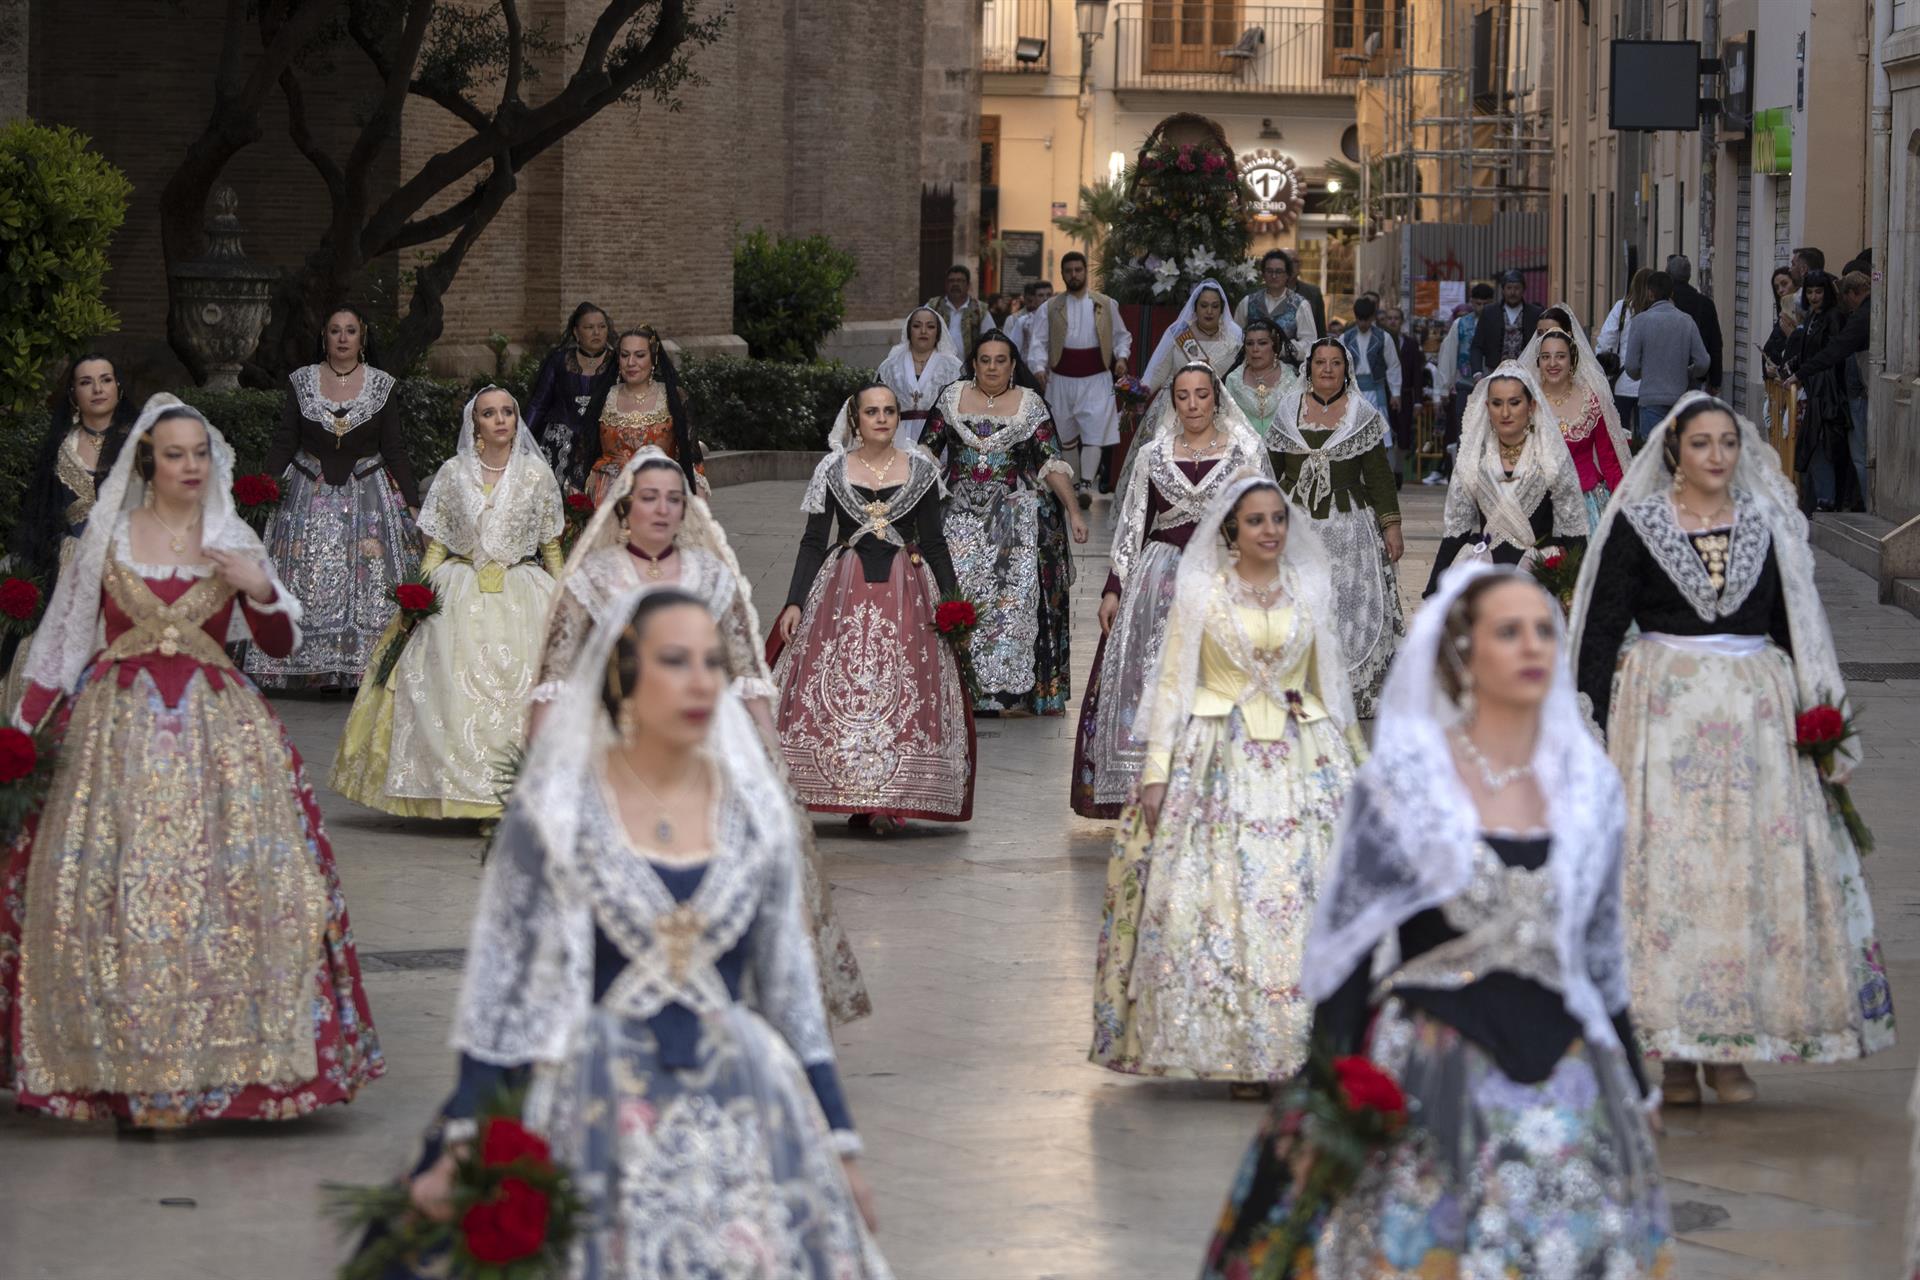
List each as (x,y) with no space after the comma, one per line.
(1803,261)
(1280,301)
(1375,356)
(965,315)
(1613,341)
(1705,316)
(1664,351)
(1829,364)
(1506,327)
(1413,377)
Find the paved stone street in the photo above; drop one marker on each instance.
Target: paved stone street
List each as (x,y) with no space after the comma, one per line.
(996,1151)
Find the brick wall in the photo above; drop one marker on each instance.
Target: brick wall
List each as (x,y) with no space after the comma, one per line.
(814,116)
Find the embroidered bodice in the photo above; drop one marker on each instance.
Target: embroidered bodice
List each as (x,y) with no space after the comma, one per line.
(622,434)
(1016,450)
(874,523)
(82,481)
(1504,921)
(330,439)
(1588,440)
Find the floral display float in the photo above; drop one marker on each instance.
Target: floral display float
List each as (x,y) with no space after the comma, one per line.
(1185,218)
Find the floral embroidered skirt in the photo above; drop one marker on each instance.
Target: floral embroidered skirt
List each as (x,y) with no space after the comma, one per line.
(174,944)
(872,713)
(1749,932)
(1596,500)
(1371,621)
(439,739)
(1198,973)
(341,550)
(1010,554)
(1494,1179)
(1110,748)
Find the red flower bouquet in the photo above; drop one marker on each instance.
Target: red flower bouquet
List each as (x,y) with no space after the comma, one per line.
(1327,1123)
(416,600)
(955,619)
(255,496)
(578,510)
(20,600)
(26,767)
(1818,732)
(515,1212)
(1558,570)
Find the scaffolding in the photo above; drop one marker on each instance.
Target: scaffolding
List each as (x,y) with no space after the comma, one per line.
(1465,119)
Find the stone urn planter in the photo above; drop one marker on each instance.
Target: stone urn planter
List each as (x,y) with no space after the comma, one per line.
(221,300)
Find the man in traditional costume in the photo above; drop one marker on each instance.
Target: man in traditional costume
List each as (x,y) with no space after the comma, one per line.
(966,316)
(1077,345)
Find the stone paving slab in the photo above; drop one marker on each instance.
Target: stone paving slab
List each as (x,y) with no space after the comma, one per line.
(996,1152)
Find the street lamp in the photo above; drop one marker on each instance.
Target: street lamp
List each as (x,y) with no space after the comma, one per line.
(1090,20)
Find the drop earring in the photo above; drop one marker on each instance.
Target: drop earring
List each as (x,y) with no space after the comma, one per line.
(624,723)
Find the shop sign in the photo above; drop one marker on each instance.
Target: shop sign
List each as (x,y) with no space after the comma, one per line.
(1278,192)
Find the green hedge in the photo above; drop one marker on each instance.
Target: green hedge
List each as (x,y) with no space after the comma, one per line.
(736,403)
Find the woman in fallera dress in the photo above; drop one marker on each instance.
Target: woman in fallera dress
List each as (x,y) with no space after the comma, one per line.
(1749,926)
(343,533)
(1007,517)
(1574,391)
(436,739)
(873,714)
(642,408)
(681,1069)
(1469,940)
(1260,381)
(1514,487)
(919,368)
(572,376)
(649,534)
(91,414)
(1204,331)
(1252,743)
(174,945)
(1193,443)
(1329,449)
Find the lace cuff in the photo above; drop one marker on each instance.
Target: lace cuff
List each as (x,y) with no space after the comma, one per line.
(746,688)
(846,1143)
(1056,467)
(282,602)
(547,691)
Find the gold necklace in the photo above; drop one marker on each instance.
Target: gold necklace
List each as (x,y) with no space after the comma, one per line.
(1706,522)
(646,394)
(1510,453)
(879,474)
(176,538)
(1264,596)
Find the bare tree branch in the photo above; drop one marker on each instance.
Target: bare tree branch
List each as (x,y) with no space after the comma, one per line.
(516,53)
(384,123)
(303,139)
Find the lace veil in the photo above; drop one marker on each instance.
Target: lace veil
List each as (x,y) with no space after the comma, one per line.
(1480,490)
(1167,356)
(507,525)
(1588,374)
(69,633)
(533,919)
(1760,492)
(1409,827)
(900,359)
(1307,573)
(1161,422)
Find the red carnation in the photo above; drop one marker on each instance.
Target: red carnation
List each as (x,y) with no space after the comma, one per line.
(1818,726)
(1553,560)
(580,502)
(1365,1087)
(18,755)
(954,615)
(414,597)
(19,599)
(508,1228)
(508,1140)
(256,490)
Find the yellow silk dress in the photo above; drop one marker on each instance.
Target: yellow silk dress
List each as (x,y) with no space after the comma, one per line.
(1198,973)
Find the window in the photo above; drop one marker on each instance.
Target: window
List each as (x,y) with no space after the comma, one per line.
(1348,24)
(1190,35)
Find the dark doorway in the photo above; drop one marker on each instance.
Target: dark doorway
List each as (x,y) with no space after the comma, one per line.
(936,239)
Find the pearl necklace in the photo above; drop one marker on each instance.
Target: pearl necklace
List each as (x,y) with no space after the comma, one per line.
(1494,780)
(176,538)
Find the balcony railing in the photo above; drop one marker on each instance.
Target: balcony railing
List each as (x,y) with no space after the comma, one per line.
(1017,36)
(1221,46)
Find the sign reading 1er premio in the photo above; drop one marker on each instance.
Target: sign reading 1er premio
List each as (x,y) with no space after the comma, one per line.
(1277,191)
(1022,258)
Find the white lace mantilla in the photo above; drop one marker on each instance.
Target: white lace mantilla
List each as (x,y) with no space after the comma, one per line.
(1187,500)
(923,473)
(504,525)
(1653,519)
(340,416)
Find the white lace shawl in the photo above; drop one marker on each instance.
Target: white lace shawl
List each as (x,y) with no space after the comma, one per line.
(1766,515)
(504,526)
(923,473)
(70,632)
(1152,466)
(916,390)
(528,986)
(1588,374)
(1409,828)
(375,387)
(1361,428)
(1203,603)
(1481,496)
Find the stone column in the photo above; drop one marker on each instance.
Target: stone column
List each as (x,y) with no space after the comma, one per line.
(13,59)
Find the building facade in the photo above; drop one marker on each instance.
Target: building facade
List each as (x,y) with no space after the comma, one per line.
(856,119)
(1278,79)
(1894,209)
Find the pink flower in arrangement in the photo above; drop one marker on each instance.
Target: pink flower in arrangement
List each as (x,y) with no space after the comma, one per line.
(1185,162)
(1214,162)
